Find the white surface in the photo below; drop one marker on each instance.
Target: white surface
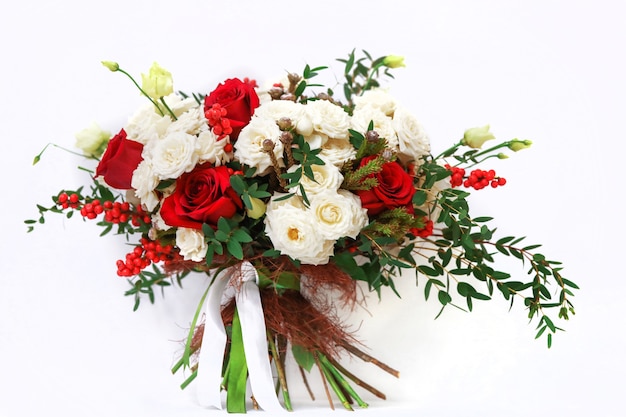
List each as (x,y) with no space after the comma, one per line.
(549,71)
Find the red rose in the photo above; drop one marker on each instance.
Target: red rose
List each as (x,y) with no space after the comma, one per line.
(201,196)
(239,99)
(395,189)
(119,161)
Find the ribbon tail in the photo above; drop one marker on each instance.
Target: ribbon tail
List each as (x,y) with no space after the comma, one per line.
(255,340)
(211,356)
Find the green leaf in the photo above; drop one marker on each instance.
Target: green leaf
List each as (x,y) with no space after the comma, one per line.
(237,371)
(234,248)
(303,357)
(444,297)
(420,197)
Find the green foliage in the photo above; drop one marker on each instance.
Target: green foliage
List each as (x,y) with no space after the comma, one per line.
(147,281)
(361,74)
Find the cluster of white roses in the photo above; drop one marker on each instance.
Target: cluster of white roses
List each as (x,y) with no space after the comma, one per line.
(309,233)
(171,147)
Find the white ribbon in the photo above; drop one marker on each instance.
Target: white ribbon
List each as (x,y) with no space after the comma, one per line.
(210,360)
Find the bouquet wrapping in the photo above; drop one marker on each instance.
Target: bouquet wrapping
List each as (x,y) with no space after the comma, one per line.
(287,195)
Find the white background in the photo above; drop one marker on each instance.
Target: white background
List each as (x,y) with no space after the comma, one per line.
(549,71)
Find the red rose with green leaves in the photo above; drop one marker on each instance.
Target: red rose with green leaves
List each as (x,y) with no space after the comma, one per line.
(239,99)
(119,160)
(395,189)
(201,196)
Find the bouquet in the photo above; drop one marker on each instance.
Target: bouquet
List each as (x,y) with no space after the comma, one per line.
(287,196)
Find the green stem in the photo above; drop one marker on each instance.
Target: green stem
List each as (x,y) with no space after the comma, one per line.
(142,92)
(168,109)
(342,381)
(281,372)
(493,148)
(188,380)
(333,383)
(37,158)
(371,76)
(481,161)
(449,151)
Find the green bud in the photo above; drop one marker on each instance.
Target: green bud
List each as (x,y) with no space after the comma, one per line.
(158,82)
(477,136)
(517,145)
(502,156)
(112,66)
(258,208)
(394,61)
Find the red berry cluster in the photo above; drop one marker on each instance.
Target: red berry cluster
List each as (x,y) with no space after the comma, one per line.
(425,231)
(216,118)
(92,209)
(144,254)
(477,179)
(116,212)
(68,201)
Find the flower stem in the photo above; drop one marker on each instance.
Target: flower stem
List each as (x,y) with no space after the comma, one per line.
(142,92)
(358,381)
(281,372)
(168,108)
(333,383)
(306,383)
(367,358)
(342,381)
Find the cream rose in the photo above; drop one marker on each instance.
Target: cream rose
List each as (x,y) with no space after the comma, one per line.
(382,124)
(378,98)
(412,139)
(338,214)
(296,112)
(146,125)
(326,177)
(292,233)
(249,145)
(144,181)
(212,150)
(173,155)
(338,151)
(191,122)
(191,244)
(329,119)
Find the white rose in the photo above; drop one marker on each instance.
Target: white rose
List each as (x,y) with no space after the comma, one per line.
(326,177)
(316,140)
(249,146)
(378,98)
(179,105)
(144,181)
(191,244)
(192,122)
(382,124)
(292,233)
(329,119)
(412,138)
(146,125)
(338,214)
(338,151)
(173,155)
(277,109)
(158,223)
(210,149)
